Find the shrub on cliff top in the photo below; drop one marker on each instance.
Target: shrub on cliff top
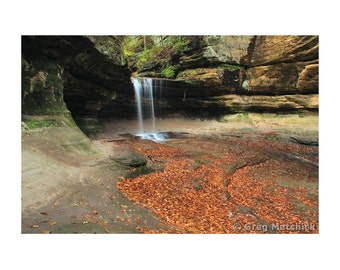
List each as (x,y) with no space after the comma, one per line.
(169,72)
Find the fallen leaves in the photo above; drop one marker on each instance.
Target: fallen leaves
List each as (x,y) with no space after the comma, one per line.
(200,195)
(120,218)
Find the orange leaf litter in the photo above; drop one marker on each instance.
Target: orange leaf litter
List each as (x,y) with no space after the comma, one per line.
(198,200)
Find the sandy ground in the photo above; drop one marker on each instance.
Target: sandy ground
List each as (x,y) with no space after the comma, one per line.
(74,191)
(302,127)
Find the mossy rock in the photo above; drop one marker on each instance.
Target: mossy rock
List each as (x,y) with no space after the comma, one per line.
(42,87)
(130,159)
(34,124)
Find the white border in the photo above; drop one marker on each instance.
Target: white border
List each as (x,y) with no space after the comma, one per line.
(168,17)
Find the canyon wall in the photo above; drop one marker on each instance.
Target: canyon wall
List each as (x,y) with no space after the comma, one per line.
(89,77)
(77,74)
(230,74)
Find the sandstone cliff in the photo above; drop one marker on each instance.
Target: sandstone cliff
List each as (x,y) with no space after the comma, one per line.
(266,73)
(80,74)
(212,75)
(244,73)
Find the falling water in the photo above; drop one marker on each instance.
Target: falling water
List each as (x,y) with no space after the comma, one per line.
(146,109)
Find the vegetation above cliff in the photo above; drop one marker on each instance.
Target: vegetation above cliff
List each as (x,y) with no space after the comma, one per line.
(156,54)
(166,56)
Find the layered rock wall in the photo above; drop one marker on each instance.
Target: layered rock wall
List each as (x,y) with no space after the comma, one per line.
(254,73)
(215,75)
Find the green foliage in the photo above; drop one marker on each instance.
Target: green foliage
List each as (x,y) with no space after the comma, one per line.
(181,44)
(169,72)
(132,45)
(127,53)
(146,56)
(142,59)
(153,51)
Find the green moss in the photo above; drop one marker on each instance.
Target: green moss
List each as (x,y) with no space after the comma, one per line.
(42,87)
(43,104)
(34,124)
(271,138)
(78,146)
(231,66)
(53,80)
(37,85)
(245,114)
(91,130)
(278,115)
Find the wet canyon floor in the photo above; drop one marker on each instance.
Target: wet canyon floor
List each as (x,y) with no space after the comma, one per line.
(230,185)
(245,179)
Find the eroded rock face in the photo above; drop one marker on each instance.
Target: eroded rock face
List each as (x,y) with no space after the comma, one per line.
(308,80)
(79,73)
(289,78)
(262,60)
(218,50)
(239,103)
(42,87)
(254,65)
(202,76)
(284,49)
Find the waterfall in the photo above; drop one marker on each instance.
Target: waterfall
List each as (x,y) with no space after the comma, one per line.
(144,98)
